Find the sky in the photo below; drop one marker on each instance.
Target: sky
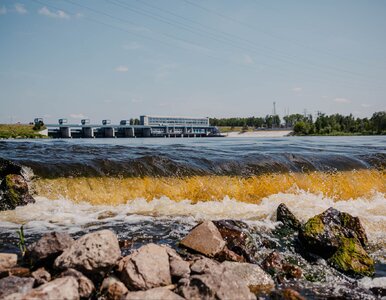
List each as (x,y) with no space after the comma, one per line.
(119,59)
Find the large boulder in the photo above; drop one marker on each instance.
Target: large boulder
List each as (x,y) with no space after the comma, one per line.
(287,218)
(49,247)
(254,276)
(146,268)
(85,286)
(14,192)
(12,284)
(7,167)
(152,294)
(95,252)
(7,260)
(340,238)
(205,239)
(238,240)
(179,268)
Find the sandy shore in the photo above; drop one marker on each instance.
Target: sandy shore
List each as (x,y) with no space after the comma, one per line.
(257,134)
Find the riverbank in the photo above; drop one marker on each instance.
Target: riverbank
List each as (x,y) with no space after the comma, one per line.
(257,134)
(19,131)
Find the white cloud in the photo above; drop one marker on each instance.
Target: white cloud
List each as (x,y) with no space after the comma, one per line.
(342,100)
(77,116)
(121,69)
(59,14)
(3,10)
(365,105)
(20,9)
(297,89)
(132,46)
(247,60)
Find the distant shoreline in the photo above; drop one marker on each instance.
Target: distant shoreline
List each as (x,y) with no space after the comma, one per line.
(257,134)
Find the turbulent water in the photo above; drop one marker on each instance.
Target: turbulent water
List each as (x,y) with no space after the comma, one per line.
(157,189)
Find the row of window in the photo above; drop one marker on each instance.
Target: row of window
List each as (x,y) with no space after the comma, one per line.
(154,120)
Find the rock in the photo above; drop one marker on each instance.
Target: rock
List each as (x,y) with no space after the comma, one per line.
(7,167)
(205,239)
(94,253)
(284,215)
(113,289)
(86,286)
(277,267)
(14,192)
(286,294)
(340,238)
(65,288)
(216,283)
(201,265)
(15,271)
(146,268)
(41,276)
(352,259)
(49,247)
(12,284)
(179,268)
(229,255)
(254,276)
(7,260)
(238,239)
(156,293)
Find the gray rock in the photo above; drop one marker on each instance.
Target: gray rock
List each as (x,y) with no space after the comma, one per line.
(65,288)
(284,215)
(14,190)
(254,276)
(41,276)
(113,289)
(7,260)
(201,265)
(86,286)
(12,284)
(146,268)
(152,294)
(178,267)
(92,253)
(48,247)
(205,239)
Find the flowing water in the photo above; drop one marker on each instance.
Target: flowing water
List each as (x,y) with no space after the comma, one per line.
(157,189)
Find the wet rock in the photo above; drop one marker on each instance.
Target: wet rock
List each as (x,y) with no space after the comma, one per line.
(86,286)
(49,247)
(286,294)
(7,167)
(41,276)
(201,265)
(7,260)
(338,237)
(156,293)
(284,215)
(14,190)
(65,288)
(205,239)
(94,252)
(254,276)
(281,270)
(238,239)
(179,268)
(12,284)
(229,255)
(216,283)
(113,289)
(15,271)
(146,268)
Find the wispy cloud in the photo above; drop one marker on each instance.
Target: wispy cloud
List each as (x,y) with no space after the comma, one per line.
(132,46)
(365,105)
(20,9)
(342,100)
(3,10)
(121,69)
(297,89)
(59,14)
(77,116)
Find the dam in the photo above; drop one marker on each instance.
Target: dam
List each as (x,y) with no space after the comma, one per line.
(149,126)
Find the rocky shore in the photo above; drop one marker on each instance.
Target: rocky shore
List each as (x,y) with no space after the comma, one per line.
(215,260)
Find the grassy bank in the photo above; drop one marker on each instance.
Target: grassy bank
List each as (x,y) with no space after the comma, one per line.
(225,129)
(19,131)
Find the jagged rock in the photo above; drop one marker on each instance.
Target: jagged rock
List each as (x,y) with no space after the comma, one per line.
(86,286)
(156,293)
(14,190)
(238,239)
(65,288)
(201,265)
(275,265)
(12,284)
(7,167)
(146,268)
(94,252)
(284,215)
(229,255)
(286,294)
(41,276)
(179,268)
(340,238)
(49,247)
(113,289)
(254,276)
(15,271)
(7,260)
(215,283)
(205,239)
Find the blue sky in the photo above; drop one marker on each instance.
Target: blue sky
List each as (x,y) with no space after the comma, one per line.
(119,59)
